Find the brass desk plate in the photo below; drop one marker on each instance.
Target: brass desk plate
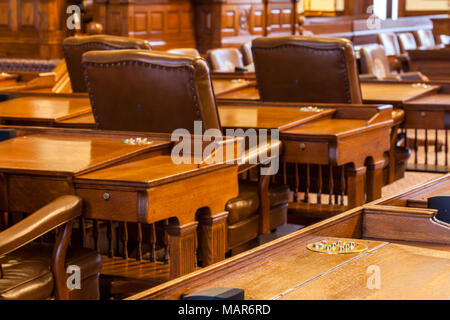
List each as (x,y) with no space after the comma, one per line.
(337,246)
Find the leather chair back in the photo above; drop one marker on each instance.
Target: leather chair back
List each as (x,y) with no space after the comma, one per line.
(374,60)
(225,59)
(390,43)
(308,69)
(186,51)
(149,91)
(407,41)
(246,49)
(74,47)
(425,38)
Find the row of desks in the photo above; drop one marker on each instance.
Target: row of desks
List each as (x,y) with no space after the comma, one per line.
(408,257)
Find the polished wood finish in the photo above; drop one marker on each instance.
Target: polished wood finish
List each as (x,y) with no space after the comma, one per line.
(32,29)
(44,110)
(270,271)
(121,182)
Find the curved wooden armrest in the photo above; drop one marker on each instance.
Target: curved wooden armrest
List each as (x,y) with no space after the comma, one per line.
(53,215)
(260,154)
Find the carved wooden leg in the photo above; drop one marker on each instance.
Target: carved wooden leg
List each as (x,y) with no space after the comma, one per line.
(356,186)
(213,237)
(182,246)
(374,180)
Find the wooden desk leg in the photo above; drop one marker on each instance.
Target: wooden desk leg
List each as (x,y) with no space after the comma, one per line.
(374,180)
(182,248)
(212,237)
(356,186)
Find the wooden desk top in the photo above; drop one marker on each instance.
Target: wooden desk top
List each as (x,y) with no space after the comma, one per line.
(65,154)
(371,92)
(393,92)
(43,108)
(417,196)
(145,173)
(267,117)
(224,86)
(303,274)
(442,100)
(328,127)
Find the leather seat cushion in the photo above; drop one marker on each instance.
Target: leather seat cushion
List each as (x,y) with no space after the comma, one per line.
(278,194)
(243,231)
(402,154)
(27,274)
(398,115)
(245,205)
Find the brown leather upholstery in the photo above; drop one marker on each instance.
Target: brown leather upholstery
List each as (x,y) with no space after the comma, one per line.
(425,38)
(390,43)
(159,88)
(225,59)
(247,55)
(297,68)
(374,60)
(406,41)
(243,217)
(28,275)
(27,267)
(74,47)
(165,92)
(186,51)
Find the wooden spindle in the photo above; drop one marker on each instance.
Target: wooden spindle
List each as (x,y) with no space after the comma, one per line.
(331,185)
(415,147)
(83,232)
(446,147)
(139,240)
(342,185)
(436,147)
(284,172)
(152,242)
(306,199)
(426,146)
(297,183)
(166,242)
(110,232)
(319,191)
(125,239)
(96,227)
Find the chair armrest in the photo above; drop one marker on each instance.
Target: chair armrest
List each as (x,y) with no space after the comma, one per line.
(413,76)
(260,154)
(368,76)
(53,215)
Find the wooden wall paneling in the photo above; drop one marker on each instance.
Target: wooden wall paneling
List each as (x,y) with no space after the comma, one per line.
(32,28)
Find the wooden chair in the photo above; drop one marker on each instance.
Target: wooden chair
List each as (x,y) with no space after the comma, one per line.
(375,62)
(246,49)
(37,270)
(323,70)
(406,41)
(159,86)
(397,60)
(225,59)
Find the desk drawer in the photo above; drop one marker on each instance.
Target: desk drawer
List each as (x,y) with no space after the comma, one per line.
(109,204)
(426,120)
(305,152)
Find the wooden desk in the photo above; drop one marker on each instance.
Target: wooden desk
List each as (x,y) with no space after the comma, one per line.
(337,136)
(42,110)
(394,93)
(399,242)
(121,182)
(376,93)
